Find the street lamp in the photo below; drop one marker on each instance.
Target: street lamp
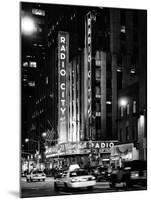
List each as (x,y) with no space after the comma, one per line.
(28,25)
(32,140)
(44,134)
(38,142)
(123,102)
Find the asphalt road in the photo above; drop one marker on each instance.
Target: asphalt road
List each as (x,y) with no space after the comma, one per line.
(38,189)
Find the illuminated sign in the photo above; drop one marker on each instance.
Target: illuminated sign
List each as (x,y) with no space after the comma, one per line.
(63,47)
(84,147)
(38,12)
(89,49)
(88,75)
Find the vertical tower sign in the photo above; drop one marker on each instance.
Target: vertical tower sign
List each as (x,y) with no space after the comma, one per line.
(88,69)
(63,60)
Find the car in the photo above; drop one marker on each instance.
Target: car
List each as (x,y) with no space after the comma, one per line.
(35,175)
(132,173)
(78,178)
(58,173)
(101,173)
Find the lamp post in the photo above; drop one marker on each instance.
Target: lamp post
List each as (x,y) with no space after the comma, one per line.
(38,143)
(44,135)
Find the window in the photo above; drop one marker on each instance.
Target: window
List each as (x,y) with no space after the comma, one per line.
(97,91)
(127,133)
(47,80)
(98,107)
(121,111)
(128,109)
(123,29)
(98,74)
(133,132)
(98,63)
(134,106)
(32,64)
(121,133)
(31,83)
(25,64)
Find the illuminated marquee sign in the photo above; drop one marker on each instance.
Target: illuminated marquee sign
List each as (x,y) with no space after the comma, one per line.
(63,43)
(84,147)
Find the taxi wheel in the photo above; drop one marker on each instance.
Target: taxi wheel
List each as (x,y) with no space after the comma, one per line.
(43,180)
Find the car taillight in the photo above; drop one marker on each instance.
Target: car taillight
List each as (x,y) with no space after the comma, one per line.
(134,174)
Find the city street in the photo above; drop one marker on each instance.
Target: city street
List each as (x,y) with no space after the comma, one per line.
(46,188)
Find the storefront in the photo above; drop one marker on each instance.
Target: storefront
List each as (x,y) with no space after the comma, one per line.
(123,152)
(85,153)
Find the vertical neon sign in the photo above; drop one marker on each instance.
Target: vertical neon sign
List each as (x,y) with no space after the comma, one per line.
(63,57)
(88,65)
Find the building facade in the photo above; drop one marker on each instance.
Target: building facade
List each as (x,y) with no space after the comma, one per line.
(91,59)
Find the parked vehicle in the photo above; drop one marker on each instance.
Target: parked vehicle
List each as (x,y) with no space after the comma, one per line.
(132,172)
(35,175)
(77,178)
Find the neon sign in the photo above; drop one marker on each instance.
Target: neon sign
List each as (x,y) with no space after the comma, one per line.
(88,46)
(63,43)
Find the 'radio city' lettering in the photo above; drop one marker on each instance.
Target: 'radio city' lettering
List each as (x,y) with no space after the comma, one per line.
(62,57)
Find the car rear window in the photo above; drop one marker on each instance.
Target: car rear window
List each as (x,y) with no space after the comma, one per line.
(78,173)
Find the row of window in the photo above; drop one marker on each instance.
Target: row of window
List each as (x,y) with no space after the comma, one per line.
(128,133)
(31,64)
(29,83)
(125,109)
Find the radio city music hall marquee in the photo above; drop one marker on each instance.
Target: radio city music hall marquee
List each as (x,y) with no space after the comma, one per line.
(63,54)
